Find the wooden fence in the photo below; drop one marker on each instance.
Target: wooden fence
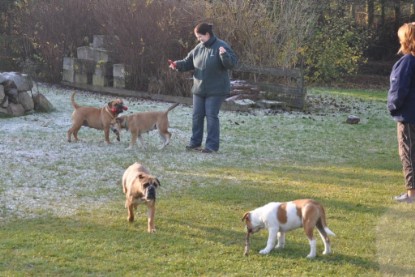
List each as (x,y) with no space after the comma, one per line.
(292,91)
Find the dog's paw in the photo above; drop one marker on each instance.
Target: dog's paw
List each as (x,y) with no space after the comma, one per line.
(151,231)
(309,256)
(264,251)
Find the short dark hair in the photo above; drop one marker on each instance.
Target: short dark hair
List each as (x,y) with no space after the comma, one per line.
(203,28)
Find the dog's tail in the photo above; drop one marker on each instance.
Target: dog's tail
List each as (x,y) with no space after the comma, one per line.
(172,107)
(324,222)
(329,232)
(74,104)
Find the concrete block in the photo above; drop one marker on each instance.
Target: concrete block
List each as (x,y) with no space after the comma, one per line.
(103,69)
(118,70)
(98,41)
(85,53)
(100,81)
(119,82)
(81,78)
(93,54)
(102,55)
(120,74)
(84,66)
(103,42)
(68,63)
(68,75)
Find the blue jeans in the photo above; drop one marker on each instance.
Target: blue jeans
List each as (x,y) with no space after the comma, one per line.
(206,107)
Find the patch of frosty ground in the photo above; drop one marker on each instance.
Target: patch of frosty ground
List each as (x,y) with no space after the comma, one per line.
(41,173)
(44,174)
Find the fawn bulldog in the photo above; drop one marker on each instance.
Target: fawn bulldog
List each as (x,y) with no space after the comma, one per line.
(143,122)
(281,217)
(97,118)
(140,187)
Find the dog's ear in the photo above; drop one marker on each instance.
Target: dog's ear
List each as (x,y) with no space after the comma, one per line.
(246,216)
(110,104)
(141,176)
(157,182)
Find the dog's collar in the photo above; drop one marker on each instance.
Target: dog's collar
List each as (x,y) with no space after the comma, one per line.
(108,111)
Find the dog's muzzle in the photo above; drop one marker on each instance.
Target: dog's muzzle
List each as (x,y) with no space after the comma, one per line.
(119,108)
(150,193)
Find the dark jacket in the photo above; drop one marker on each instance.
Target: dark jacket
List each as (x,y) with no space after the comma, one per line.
(401,95)
(210,76)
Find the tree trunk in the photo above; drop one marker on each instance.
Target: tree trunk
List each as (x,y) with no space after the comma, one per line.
(397,10)
(370,13)
(382,13)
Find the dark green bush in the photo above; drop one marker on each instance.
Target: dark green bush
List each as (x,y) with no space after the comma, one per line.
(334,50)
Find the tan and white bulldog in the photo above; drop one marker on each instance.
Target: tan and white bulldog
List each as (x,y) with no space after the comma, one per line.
(143,122)
(140,187)
(281,217)
(97,118)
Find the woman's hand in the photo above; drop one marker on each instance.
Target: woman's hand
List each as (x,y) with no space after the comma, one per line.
(172,64)
(222,50)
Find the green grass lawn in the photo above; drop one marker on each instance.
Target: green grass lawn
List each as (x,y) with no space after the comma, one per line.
(354,170)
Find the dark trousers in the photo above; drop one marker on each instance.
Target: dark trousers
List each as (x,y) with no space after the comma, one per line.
(206,107)
(406,146)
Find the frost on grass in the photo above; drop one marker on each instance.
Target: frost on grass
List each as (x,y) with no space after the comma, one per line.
(44,174)
(395,235)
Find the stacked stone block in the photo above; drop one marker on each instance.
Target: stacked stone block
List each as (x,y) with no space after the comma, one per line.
(94,66)
(119,74)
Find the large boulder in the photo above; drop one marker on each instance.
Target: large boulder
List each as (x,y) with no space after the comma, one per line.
(15,109)
(13,95)
(42,104)
(26,100)
(22,81)
(3,97)
(16,98)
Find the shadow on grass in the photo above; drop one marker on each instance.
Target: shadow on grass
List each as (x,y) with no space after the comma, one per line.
(199,222)
(297,247)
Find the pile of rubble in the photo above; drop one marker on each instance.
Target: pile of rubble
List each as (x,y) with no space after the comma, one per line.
(16,98)
(247,94)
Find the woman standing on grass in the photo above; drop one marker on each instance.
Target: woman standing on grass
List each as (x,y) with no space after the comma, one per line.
(401,105)
(210,61)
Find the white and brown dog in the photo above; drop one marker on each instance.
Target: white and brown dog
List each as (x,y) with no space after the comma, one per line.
(97,118)
(140,187)
(143,122)
(281,217)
